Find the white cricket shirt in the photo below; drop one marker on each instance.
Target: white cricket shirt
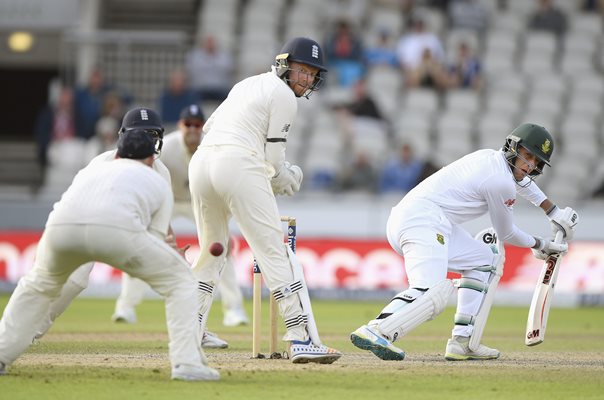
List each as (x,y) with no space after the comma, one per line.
(158,166)
(176,158)
(121,193)
(257,108)
(478,183)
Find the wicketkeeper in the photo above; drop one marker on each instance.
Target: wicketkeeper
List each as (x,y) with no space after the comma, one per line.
(237,171)
(425,228)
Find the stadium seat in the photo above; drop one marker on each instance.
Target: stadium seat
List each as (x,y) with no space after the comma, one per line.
(492,130)
(579,42)
(385,18)
(545,103)
(508,22)
(421,100)
(555,84)
(576,63)
(503,102)
(589,85)
(454,137)
(464,102)
(589,24)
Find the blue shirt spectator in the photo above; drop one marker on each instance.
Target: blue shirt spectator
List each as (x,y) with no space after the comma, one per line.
(383,53)
(466,71)
(90,100)
(402,172)
(344,52)
(176,97)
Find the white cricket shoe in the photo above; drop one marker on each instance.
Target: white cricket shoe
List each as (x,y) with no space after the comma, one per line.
(2,368)
(124,315)
(194,373)
(212,341)
(235,317)
(458,350)
(305,352)
(368,338)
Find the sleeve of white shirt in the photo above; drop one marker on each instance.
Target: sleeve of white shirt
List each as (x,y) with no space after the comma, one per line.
(498,195)
(531,192)
(208,124)
(283,109)
(160,168)
(160,219)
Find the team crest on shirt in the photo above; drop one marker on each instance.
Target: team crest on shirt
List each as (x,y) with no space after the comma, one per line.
(509,202)
(440,238)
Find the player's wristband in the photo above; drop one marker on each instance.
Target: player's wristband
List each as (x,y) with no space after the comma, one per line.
(538,243)
(551,209)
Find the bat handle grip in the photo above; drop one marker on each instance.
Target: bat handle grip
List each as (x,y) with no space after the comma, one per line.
(559,237)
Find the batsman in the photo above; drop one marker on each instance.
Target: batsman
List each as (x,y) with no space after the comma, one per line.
(425,228)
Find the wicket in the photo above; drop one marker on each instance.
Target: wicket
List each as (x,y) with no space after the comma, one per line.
(273,311)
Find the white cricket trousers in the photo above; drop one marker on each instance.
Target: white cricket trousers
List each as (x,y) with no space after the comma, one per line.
(431,246)
(133,290)
(230,181)
(63,248)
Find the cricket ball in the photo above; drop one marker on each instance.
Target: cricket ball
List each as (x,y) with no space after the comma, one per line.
(216,249)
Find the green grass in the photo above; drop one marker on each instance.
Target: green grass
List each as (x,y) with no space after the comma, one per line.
(574,344)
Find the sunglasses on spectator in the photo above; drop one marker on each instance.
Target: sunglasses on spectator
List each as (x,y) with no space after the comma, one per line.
(189,124)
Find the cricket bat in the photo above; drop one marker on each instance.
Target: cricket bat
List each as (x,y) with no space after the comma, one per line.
(542,298)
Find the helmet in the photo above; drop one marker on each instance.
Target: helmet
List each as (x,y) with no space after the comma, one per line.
(147,120)
(534,138)
(305,51)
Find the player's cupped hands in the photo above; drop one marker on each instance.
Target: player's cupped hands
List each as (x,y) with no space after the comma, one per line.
(171,240)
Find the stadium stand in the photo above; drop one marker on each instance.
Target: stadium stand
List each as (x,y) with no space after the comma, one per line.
(528,75)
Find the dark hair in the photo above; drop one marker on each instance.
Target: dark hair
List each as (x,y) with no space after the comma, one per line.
(135,144)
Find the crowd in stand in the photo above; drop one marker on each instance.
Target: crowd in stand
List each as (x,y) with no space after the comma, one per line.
(90,115)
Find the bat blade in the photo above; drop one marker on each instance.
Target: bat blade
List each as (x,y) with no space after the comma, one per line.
(541,302)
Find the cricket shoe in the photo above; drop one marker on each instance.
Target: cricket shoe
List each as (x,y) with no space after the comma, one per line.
(124,315)
(458,349)
(305,352)
(368,338)
(194,373)
(235,317)
(212,341)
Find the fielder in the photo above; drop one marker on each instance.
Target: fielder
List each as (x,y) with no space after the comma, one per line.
(132,293)
(115,212)
(237,171)
(424,227)
(177,149)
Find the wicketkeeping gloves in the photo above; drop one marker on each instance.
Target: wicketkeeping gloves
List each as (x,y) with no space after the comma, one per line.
(288,180)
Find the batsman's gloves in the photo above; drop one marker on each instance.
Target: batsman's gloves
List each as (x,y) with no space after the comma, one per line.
(288,180)
(544,247)
(563,220)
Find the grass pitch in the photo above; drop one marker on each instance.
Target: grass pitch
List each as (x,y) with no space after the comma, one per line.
(87,356)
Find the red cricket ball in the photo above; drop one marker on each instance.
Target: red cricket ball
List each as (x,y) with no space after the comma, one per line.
(216,249)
